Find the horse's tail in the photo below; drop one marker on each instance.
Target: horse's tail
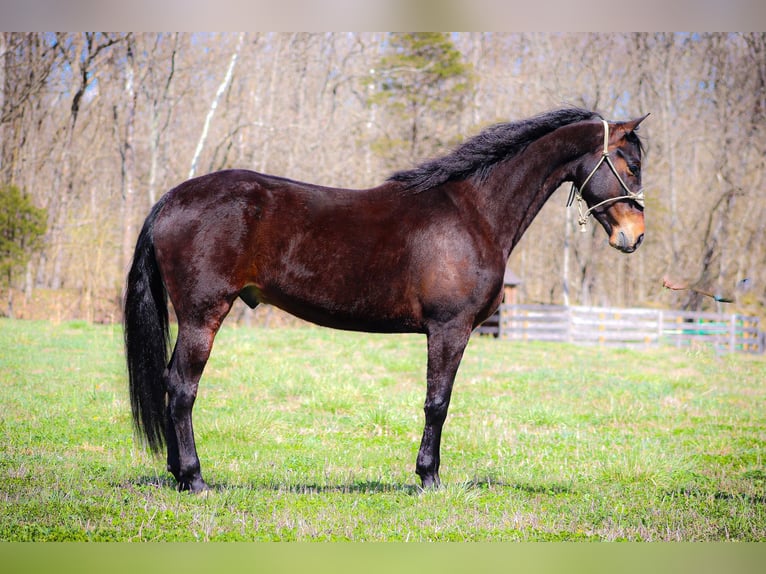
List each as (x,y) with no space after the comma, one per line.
(147,338)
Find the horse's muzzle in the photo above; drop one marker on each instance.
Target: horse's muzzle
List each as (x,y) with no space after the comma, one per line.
(625,242)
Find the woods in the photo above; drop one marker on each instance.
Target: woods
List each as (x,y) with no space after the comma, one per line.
(95,127)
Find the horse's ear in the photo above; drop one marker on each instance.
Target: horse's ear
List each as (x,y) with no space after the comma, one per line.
(631,125)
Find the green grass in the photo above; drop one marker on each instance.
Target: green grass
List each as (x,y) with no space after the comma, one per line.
(311,434)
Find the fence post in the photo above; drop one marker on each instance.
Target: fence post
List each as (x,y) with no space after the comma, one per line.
(733,334)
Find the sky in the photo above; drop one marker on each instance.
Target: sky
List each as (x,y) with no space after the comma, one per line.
(383,15)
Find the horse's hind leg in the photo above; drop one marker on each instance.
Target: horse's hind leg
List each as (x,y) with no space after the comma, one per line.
(190,355)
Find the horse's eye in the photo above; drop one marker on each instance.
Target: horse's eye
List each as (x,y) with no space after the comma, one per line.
(634,169)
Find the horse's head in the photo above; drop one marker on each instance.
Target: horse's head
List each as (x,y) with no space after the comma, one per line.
(609,182)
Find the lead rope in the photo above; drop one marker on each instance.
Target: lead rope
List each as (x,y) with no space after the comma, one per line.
(576,193)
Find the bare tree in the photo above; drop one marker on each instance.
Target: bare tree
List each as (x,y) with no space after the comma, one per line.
(97,126)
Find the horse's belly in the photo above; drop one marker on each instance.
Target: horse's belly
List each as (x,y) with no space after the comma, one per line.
(354,311)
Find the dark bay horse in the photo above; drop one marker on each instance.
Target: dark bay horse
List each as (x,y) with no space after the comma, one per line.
(424,252)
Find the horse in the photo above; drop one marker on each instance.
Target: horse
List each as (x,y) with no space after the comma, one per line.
(424,252)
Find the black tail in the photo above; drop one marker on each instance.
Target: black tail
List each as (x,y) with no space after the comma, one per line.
(147,338)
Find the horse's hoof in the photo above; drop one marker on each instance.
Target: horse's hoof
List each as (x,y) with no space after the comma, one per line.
(195,486)
(430,483)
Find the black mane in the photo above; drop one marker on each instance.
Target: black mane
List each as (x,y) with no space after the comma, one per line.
(477,156)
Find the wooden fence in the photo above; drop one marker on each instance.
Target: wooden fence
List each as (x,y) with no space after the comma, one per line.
(627,327)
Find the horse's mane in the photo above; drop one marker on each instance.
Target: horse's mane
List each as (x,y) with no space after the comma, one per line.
(476,157)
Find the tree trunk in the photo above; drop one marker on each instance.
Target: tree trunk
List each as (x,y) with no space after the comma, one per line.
(214,105)
(128,155)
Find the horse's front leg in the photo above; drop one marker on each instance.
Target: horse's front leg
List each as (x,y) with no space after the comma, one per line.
(445,350)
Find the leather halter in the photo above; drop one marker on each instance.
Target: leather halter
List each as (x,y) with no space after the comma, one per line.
(576,193)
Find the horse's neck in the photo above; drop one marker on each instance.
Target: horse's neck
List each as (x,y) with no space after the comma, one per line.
(520,187)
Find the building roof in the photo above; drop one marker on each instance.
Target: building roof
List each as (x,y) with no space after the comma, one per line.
(510,278)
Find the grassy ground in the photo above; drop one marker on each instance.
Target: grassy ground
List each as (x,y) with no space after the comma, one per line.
(311,434)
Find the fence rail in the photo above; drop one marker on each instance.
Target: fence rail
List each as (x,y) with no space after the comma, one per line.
(627,327)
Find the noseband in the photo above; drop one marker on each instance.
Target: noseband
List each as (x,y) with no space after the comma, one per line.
(576,193)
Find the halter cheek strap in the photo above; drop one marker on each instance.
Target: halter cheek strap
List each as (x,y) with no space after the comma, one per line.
(576,193)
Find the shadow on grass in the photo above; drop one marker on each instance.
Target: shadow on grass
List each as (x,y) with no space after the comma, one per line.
(528,488)
(356,487)
(154,481)
(746,498)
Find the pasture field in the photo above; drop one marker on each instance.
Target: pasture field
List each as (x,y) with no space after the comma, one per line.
(311,434)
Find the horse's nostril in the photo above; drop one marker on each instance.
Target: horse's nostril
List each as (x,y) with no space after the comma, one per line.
(622,241)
